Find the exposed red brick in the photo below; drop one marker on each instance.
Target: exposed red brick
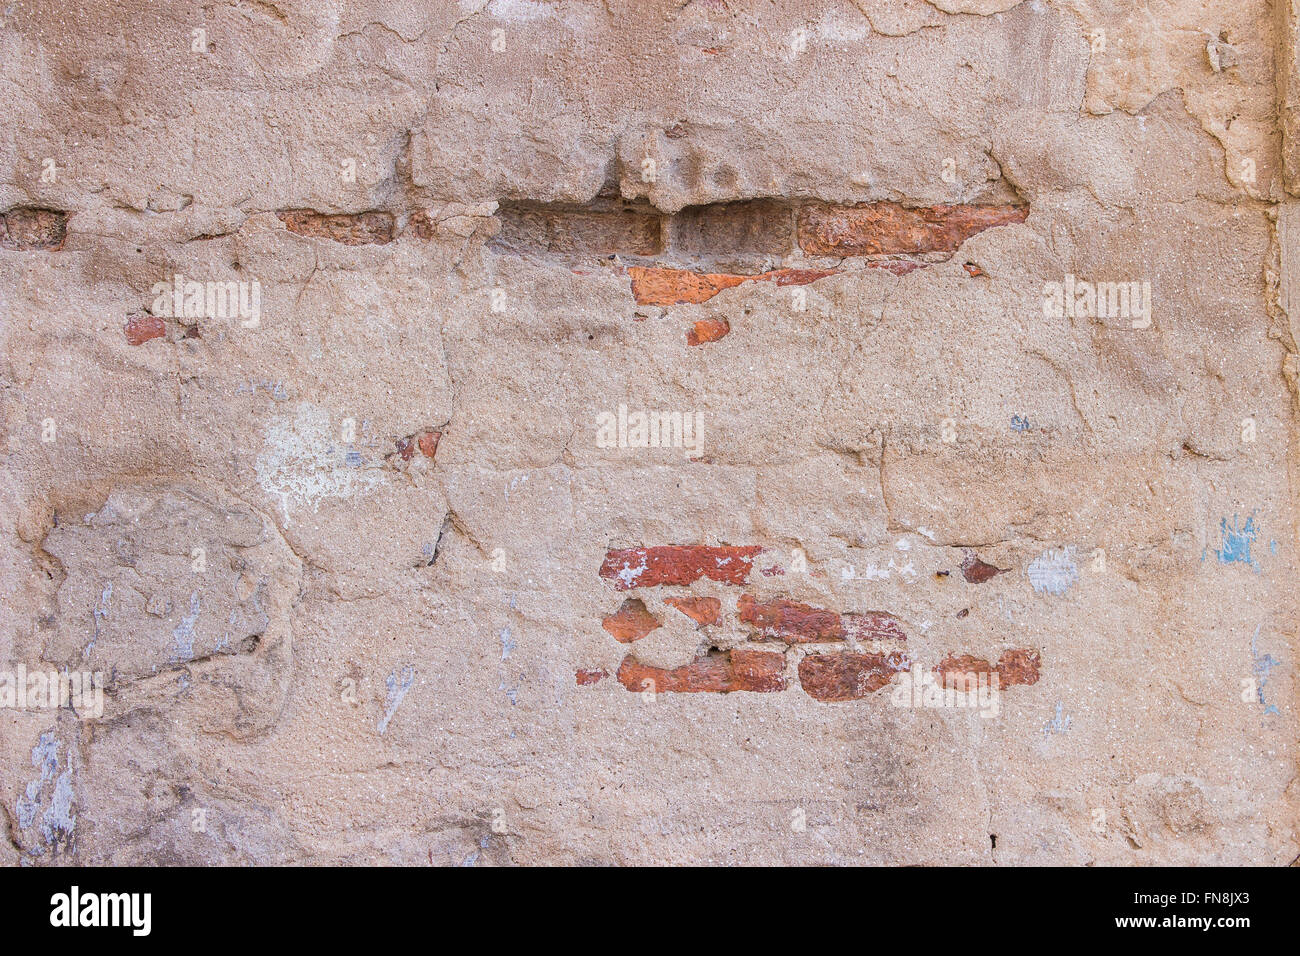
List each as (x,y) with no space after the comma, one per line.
(873,626)
(678,564)
(962,672)
(718,673)
(139,329)
(707,330)
(26,228)
(702,610)
(796,276)
(630,622)
(351,229)
(1018,666)
(832,677)
(789,621)
(976,571)
(406,448)
(655,285)
(973,269)
(585,678)
(887,228)
(773,571)
(428,443)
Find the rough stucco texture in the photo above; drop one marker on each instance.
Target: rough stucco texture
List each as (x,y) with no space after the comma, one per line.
(526,432)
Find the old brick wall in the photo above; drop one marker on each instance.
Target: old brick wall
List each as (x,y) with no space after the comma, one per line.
(521,432)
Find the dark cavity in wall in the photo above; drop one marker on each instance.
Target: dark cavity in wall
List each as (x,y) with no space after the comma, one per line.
(607,226)
(27,227)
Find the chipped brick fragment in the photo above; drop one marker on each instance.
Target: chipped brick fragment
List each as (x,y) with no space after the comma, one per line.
(630,622)
(656,285)
(585,678)
(1018,666)
(789,621)
(887,228)
(351,229)
(702,610)
(838,677)
(721,672)
(26,228)
(139,329)
(873,626)
(707,330)
(405,448)
(973,269)
(677,564)
(976,571)
(428,442)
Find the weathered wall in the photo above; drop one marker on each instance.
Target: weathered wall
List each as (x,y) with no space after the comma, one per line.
(376,570)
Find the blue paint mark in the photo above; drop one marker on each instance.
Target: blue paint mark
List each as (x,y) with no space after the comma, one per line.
(1262,667)
(1058,724)
(1272,547)
(354,459)
(1019,424)
(1236,542)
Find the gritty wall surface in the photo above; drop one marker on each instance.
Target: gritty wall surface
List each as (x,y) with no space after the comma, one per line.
(530,432)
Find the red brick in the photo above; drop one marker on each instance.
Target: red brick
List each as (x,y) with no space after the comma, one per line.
(351,229)
(677,564)
(585,678)
(654,285)
(428,443)
(789,621)
(976,571)
(835,677)
(887,228)
(707,330)
(962,672)
(1018,666)
(141,328)
(406,448)
(718,673)
(702,610)
(630,622)
(873,626)
(26,228)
